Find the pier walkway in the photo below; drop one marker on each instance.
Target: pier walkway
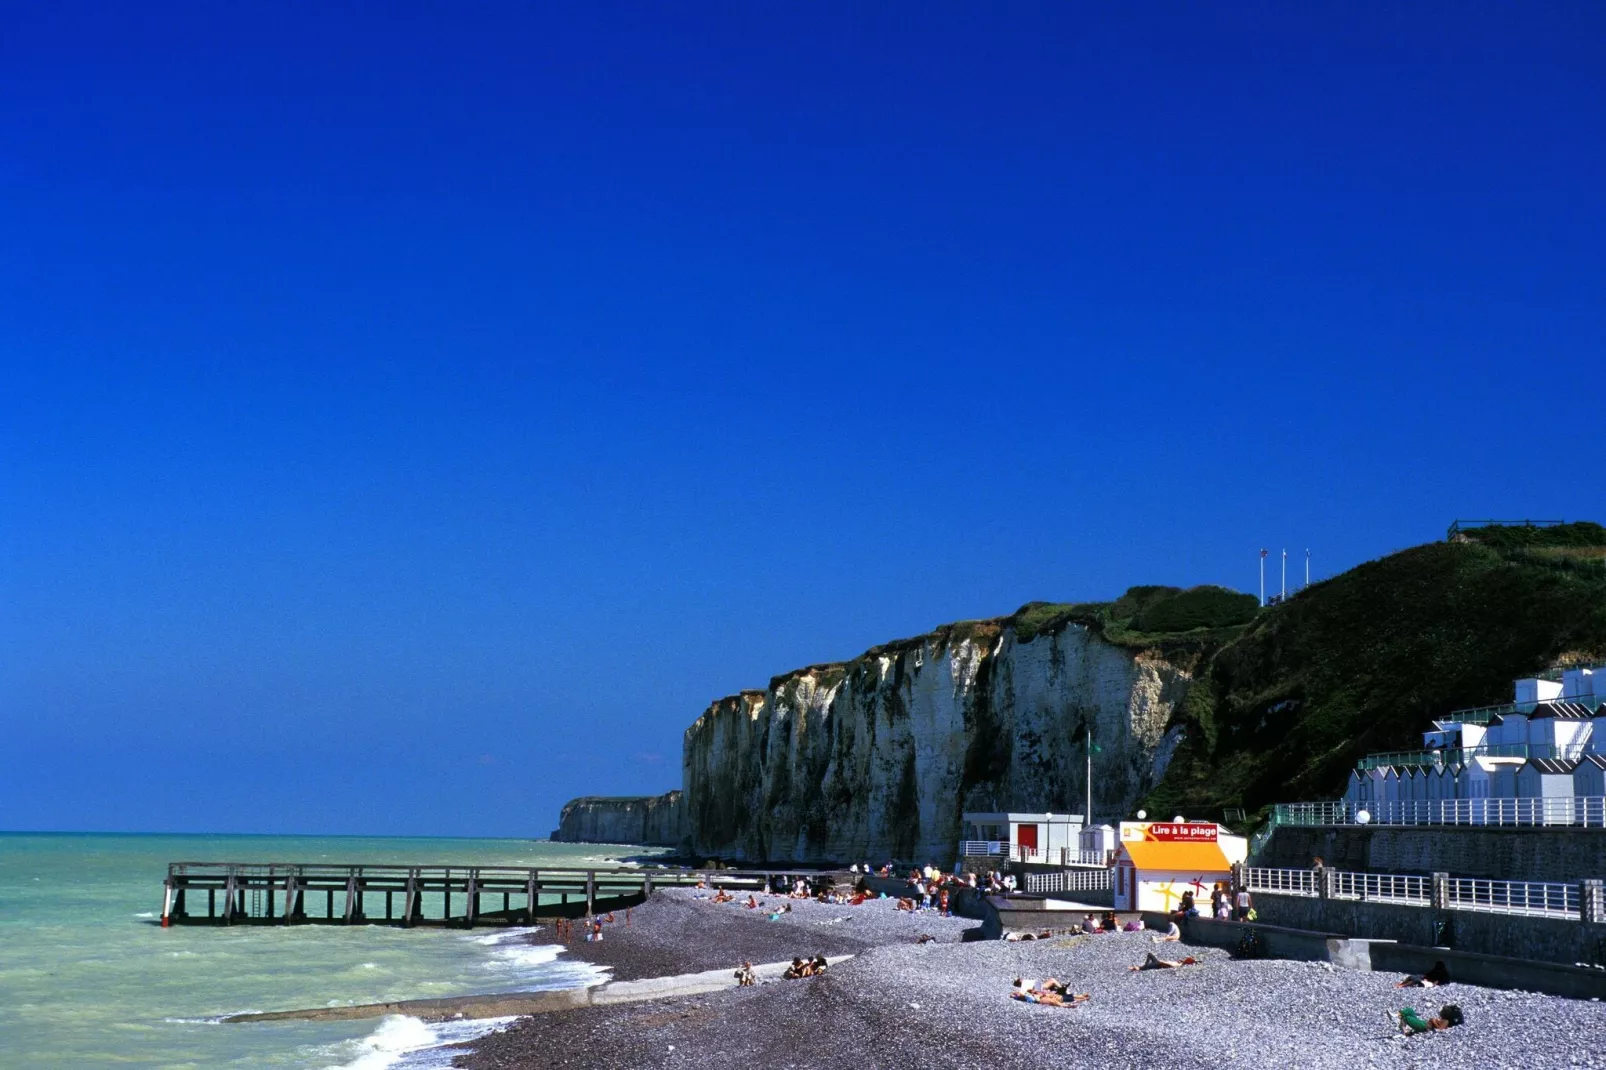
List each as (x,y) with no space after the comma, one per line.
(461,896)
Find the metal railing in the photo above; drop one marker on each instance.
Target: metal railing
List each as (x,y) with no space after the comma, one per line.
(1457,526)
(1058,856)
(1282,881)
(1407,889)
(1582,811)
(1463,755)
(1069,880)
(1540,898)
(1548,899)
(1485,714)
(979,848)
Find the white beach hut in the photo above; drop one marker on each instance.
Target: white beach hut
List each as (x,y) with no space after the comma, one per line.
(1562,726)
(1549,780)
(1441,782)
(1503,780)
(1589,778)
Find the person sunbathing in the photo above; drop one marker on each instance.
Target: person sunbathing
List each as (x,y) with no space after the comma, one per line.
(1438,974)
(1172,934)
(796,970)
(722,896)
(1050,993)
(817,966)
(906,904)
(751,904)
(745,975)
(1409,1022)
(1153,962)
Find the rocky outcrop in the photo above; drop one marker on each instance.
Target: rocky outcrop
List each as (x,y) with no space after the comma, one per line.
(877,758)
(656,820)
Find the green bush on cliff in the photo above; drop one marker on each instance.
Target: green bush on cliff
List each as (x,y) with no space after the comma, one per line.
(1045,618)
(1582,533)
(1364,661)
(1143,616)
(1197,607)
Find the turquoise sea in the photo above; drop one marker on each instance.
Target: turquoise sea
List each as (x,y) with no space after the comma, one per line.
(88,978)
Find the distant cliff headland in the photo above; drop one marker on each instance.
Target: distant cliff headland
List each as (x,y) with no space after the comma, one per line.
(1197,700)
(656,820)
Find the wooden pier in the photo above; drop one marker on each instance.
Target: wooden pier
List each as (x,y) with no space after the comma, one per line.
(279,893)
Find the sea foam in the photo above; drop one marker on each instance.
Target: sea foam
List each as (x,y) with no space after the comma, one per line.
(401,1041)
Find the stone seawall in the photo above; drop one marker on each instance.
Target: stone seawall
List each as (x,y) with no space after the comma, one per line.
(1532,854)
(655,820)
(1513,935)
(877,758)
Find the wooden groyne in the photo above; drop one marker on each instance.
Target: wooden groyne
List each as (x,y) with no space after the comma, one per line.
(282,893)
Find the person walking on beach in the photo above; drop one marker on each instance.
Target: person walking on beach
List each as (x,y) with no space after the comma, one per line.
(1243,905)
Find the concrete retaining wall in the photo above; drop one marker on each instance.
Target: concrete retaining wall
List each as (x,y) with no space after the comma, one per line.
(1493,971)
(1278,942)
(1547,939)
(1533,854)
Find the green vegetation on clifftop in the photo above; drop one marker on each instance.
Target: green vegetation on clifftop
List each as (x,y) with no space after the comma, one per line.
(1362,662)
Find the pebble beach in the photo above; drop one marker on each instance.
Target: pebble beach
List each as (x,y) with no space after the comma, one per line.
(945,1003)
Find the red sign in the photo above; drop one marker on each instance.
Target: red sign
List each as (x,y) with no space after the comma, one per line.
(1190,832)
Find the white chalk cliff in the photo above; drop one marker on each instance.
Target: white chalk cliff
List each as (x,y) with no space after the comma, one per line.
(877,758)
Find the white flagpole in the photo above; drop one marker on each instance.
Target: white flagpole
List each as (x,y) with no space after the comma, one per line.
(1087,819)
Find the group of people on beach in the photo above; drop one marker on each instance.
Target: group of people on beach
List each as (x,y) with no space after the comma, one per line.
(800,968)
(746,976)
(592,927)
(1225,904)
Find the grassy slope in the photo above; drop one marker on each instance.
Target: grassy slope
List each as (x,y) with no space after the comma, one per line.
(1363,661)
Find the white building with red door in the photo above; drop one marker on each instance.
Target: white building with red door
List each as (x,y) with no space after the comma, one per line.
(1048,838)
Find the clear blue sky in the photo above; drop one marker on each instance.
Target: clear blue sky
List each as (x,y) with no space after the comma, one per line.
(412,417)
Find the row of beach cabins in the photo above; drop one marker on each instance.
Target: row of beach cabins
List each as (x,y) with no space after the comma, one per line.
(1548,743)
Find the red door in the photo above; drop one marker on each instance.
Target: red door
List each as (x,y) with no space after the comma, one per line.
(1026,837)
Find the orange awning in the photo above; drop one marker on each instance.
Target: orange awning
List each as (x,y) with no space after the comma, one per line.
(1189,857)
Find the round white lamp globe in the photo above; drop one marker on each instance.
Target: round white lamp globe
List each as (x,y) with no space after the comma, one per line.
(1179,819)
(1362,817)
(1142,815)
